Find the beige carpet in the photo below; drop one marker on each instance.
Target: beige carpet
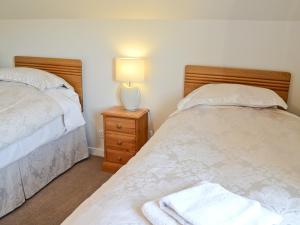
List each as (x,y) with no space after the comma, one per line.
(57,200)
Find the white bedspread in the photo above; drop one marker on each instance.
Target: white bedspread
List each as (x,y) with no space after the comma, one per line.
(68,100)
(69,119)
(23,110)
(251,152)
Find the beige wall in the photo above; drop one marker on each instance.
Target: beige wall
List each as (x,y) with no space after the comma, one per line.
(168,46)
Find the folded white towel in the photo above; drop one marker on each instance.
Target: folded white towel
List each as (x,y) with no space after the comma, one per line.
(211,204)
(155,215)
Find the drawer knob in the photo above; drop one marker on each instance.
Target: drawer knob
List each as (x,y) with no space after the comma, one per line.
(119,126)
(120,158)
(119,142)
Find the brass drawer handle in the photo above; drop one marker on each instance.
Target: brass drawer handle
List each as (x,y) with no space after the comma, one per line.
(119,126)
(119,142)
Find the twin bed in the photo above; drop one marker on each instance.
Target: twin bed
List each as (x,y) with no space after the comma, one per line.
(251,151)
(42,129)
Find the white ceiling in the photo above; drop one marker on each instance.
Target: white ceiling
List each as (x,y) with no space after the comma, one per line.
(152,9)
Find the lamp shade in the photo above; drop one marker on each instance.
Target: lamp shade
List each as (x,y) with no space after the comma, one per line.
(130,69)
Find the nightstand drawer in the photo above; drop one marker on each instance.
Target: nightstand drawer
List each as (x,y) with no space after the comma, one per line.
(120,125)
(117,156)
(125,132)
(120,142)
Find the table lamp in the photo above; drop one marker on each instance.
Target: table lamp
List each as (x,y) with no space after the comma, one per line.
(130,70)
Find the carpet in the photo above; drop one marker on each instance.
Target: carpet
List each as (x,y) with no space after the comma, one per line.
(61,197)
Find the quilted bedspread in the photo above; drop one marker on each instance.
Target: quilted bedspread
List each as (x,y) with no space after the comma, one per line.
(23,110)
(251,152)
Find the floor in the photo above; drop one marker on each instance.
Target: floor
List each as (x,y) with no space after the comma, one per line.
(57,200)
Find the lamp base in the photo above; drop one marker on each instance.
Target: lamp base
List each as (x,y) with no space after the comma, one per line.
(130,97)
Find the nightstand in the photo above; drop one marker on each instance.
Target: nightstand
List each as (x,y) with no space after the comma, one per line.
(125,132)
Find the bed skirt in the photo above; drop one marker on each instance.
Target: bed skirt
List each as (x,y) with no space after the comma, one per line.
(25,177)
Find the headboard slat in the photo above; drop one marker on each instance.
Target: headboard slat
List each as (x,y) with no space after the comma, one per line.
(68,69)
(208,76)
(196,76)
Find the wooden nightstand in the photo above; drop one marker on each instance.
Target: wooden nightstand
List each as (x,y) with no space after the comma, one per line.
(125,132)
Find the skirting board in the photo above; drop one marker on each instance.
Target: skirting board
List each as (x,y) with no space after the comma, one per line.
(96,151)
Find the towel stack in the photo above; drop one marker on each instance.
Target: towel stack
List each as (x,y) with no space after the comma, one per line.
(208,204)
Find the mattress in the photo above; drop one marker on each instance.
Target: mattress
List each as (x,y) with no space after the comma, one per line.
(251,152)
(70,120)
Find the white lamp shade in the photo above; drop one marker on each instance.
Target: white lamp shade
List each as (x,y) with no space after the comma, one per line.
(130,69)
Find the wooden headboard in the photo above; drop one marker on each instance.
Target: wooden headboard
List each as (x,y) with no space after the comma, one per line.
(196,76)
(68,69)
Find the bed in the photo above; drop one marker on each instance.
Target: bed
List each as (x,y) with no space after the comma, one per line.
(253,152)
(32,156)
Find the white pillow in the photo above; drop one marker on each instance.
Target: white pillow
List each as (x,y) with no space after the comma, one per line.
(34,77)
(232,95)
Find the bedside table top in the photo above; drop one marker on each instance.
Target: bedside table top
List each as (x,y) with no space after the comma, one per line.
(119,111)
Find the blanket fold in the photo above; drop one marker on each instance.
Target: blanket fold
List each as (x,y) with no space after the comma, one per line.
(23,110)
